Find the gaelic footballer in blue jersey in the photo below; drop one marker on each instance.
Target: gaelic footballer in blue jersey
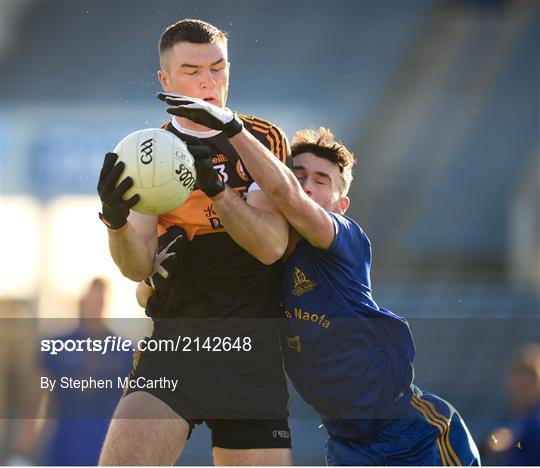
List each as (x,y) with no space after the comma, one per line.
(347,357)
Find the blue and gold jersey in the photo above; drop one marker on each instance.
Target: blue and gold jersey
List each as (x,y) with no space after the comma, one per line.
(347,357)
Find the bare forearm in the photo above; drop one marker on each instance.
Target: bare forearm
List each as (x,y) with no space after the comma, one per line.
(262,233)
(130,253)
(274,178)
(280,185)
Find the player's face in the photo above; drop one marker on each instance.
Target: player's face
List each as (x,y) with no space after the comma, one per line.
(197,70)
(321,181)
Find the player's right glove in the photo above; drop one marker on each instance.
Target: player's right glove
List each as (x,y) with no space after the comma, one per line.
(115,209)
(208,180)
(169,256)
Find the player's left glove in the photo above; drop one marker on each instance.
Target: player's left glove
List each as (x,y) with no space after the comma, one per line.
(203,113)
(168,257)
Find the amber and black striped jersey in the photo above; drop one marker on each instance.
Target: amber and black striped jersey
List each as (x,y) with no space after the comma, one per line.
(217,277)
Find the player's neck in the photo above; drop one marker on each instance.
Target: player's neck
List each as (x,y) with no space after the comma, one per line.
(187,127)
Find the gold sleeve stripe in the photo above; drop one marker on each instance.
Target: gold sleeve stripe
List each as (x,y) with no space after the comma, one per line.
(272,149)
(253,121)
(278,141)
(444,418)
(263,122)
(283,144)
(263,130)
(440,441)
(266,133)
(276,138)
(257,127)
(271,135)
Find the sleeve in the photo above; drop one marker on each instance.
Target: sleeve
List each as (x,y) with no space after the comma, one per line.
(350,242)
(271,136)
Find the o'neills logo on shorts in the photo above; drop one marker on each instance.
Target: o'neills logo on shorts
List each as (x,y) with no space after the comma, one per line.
(281,434)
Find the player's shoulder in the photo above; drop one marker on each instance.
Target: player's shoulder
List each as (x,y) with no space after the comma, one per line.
(258,124)
(344,222)
(268,133)
(348,233)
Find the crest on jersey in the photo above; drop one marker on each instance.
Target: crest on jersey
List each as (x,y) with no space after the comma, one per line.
(294,343)
(302,284)
(241,171)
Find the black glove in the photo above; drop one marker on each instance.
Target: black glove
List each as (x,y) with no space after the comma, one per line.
(208,180)
(115,209)
(168,257)
(203,113)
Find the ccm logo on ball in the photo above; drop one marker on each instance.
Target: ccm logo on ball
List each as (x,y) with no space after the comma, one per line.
(185,176)
(146,151)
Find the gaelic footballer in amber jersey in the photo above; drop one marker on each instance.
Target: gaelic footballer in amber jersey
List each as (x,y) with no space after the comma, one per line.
(196,215)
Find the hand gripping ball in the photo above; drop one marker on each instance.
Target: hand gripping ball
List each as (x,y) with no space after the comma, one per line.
(162,169)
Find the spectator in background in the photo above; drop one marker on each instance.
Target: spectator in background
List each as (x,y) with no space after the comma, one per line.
(519,444)
(79,419)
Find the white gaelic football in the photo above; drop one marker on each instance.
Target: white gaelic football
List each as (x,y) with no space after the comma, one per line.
(162,169)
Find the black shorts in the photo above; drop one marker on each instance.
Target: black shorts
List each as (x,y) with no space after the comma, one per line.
(229,375)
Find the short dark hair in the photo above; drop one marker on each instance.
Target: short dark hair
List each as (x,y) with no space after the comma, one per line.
(321,143)
(190,30)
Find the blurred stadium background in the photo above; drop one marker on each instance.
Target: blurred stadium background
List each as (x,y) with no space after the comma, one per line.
(439,100)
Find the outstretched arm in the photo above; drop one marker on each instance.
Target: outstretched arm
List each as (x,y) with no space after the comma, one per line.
(255,223)
(280,185)
(277,182)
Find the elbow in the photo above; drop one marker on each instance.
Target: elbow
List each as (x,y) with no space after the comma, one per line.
(269,259)
(286,192)
(283,192)
(137,278)
(274,253)
(134,275)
